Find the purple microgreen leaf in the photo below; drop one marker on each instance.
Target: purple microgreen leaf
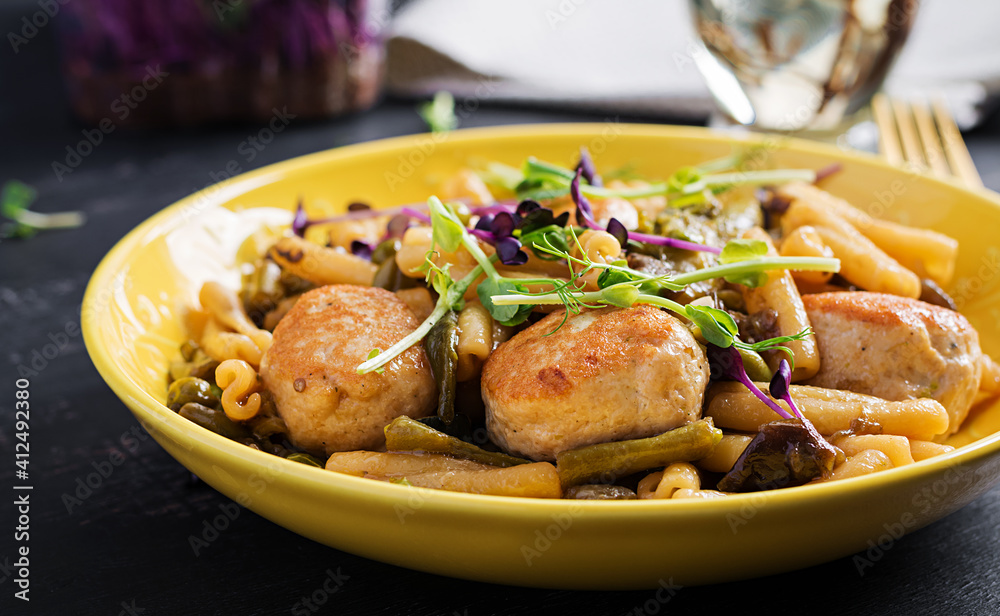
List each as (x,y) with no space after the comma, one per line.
(482,234)
(362,249)
(780,387)
(510,253)
(827,171)
(584,213)
(618,231)
(358,206)
(396,227)
(781,380)
(586,165)
(485,222)
(527,206)
(483,210)
(504,224)
(300,222)
(416,214)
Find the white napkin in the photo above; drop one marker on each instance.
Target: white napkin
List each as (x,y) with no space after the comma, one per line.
(635,56)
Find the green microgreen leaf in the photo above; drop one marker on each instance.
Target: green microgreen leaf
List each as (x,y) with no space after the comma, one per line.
(439,113)
(490,287)
(504,176)
(742,250)
(621,295)
(372,355)
(717,326)
(446,229)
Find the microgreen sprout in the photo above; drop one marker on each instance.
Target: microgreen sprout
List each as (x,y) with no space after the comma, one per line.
(781,384)
(14,201)
(544,180)
(439,113)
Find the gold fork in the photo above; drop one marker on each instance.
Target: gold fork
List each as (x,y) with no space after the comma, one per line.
(924,135)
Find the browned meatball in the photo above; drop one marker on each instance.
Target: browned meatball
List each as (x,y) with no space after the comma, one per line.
(606,375)
(311,369)
(895,348)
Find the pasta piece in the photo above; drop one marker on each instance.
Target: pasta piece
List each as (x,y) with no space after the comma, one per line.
(416,244)
(468,186)
(321,265)
(780,295)
(369,230)
(862,463)
(227,308)
(649,207)
(805,242)
(648,484)
(238,381)
(731,406)
(418,300)
(599,247)
(897,448)
(927,253)
(861,262)
(677,476)
(725,454)
(989,371)
(921,450)
(271,318)
(221,345)
(475,340)
(702,494)
(538,480)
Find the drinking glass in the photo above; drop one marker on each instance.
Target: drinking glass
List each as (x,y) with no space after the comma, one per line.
(792,65)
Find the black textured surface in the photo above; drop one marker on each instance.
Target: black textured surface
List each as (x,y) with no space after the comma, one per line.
(127,543)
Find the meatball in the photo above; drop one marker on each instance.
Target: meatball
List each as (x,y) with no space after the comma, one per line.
(895,348)
(310,369)
(605,375)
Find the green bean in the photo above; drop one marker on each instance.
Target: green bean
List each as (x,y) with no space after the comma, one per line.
(190,389)
(599,491)
(755,366)
(610,461)
(200,366)
(262,290)
(441,344)
(388,276)
(405,434)
(214,420)
(304,458)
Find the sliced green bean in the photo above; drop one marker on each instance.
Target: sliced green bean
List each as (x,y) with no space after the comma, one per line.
(191,389)
(607,462)
(405,434)
(214,420)
(441,344)
(304,458)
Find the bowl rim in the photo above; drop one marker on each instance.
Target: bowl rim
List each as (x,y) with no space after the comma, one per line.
(149,411)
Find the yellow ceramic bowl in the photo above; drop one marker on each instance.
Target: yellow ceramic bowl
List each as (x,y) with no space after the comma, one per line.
(132,327)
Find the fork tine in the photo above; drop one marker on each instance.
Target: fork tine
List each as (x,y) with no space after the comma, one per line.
(908,134)
(888,141)
(958,155)
(929,137)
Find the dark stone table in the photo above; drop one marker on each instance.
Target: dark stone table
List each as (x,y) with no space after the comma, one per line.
(123,546)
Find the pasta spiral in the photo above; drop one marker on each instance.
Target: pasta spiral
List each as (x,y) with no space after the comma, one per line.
(238,381)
